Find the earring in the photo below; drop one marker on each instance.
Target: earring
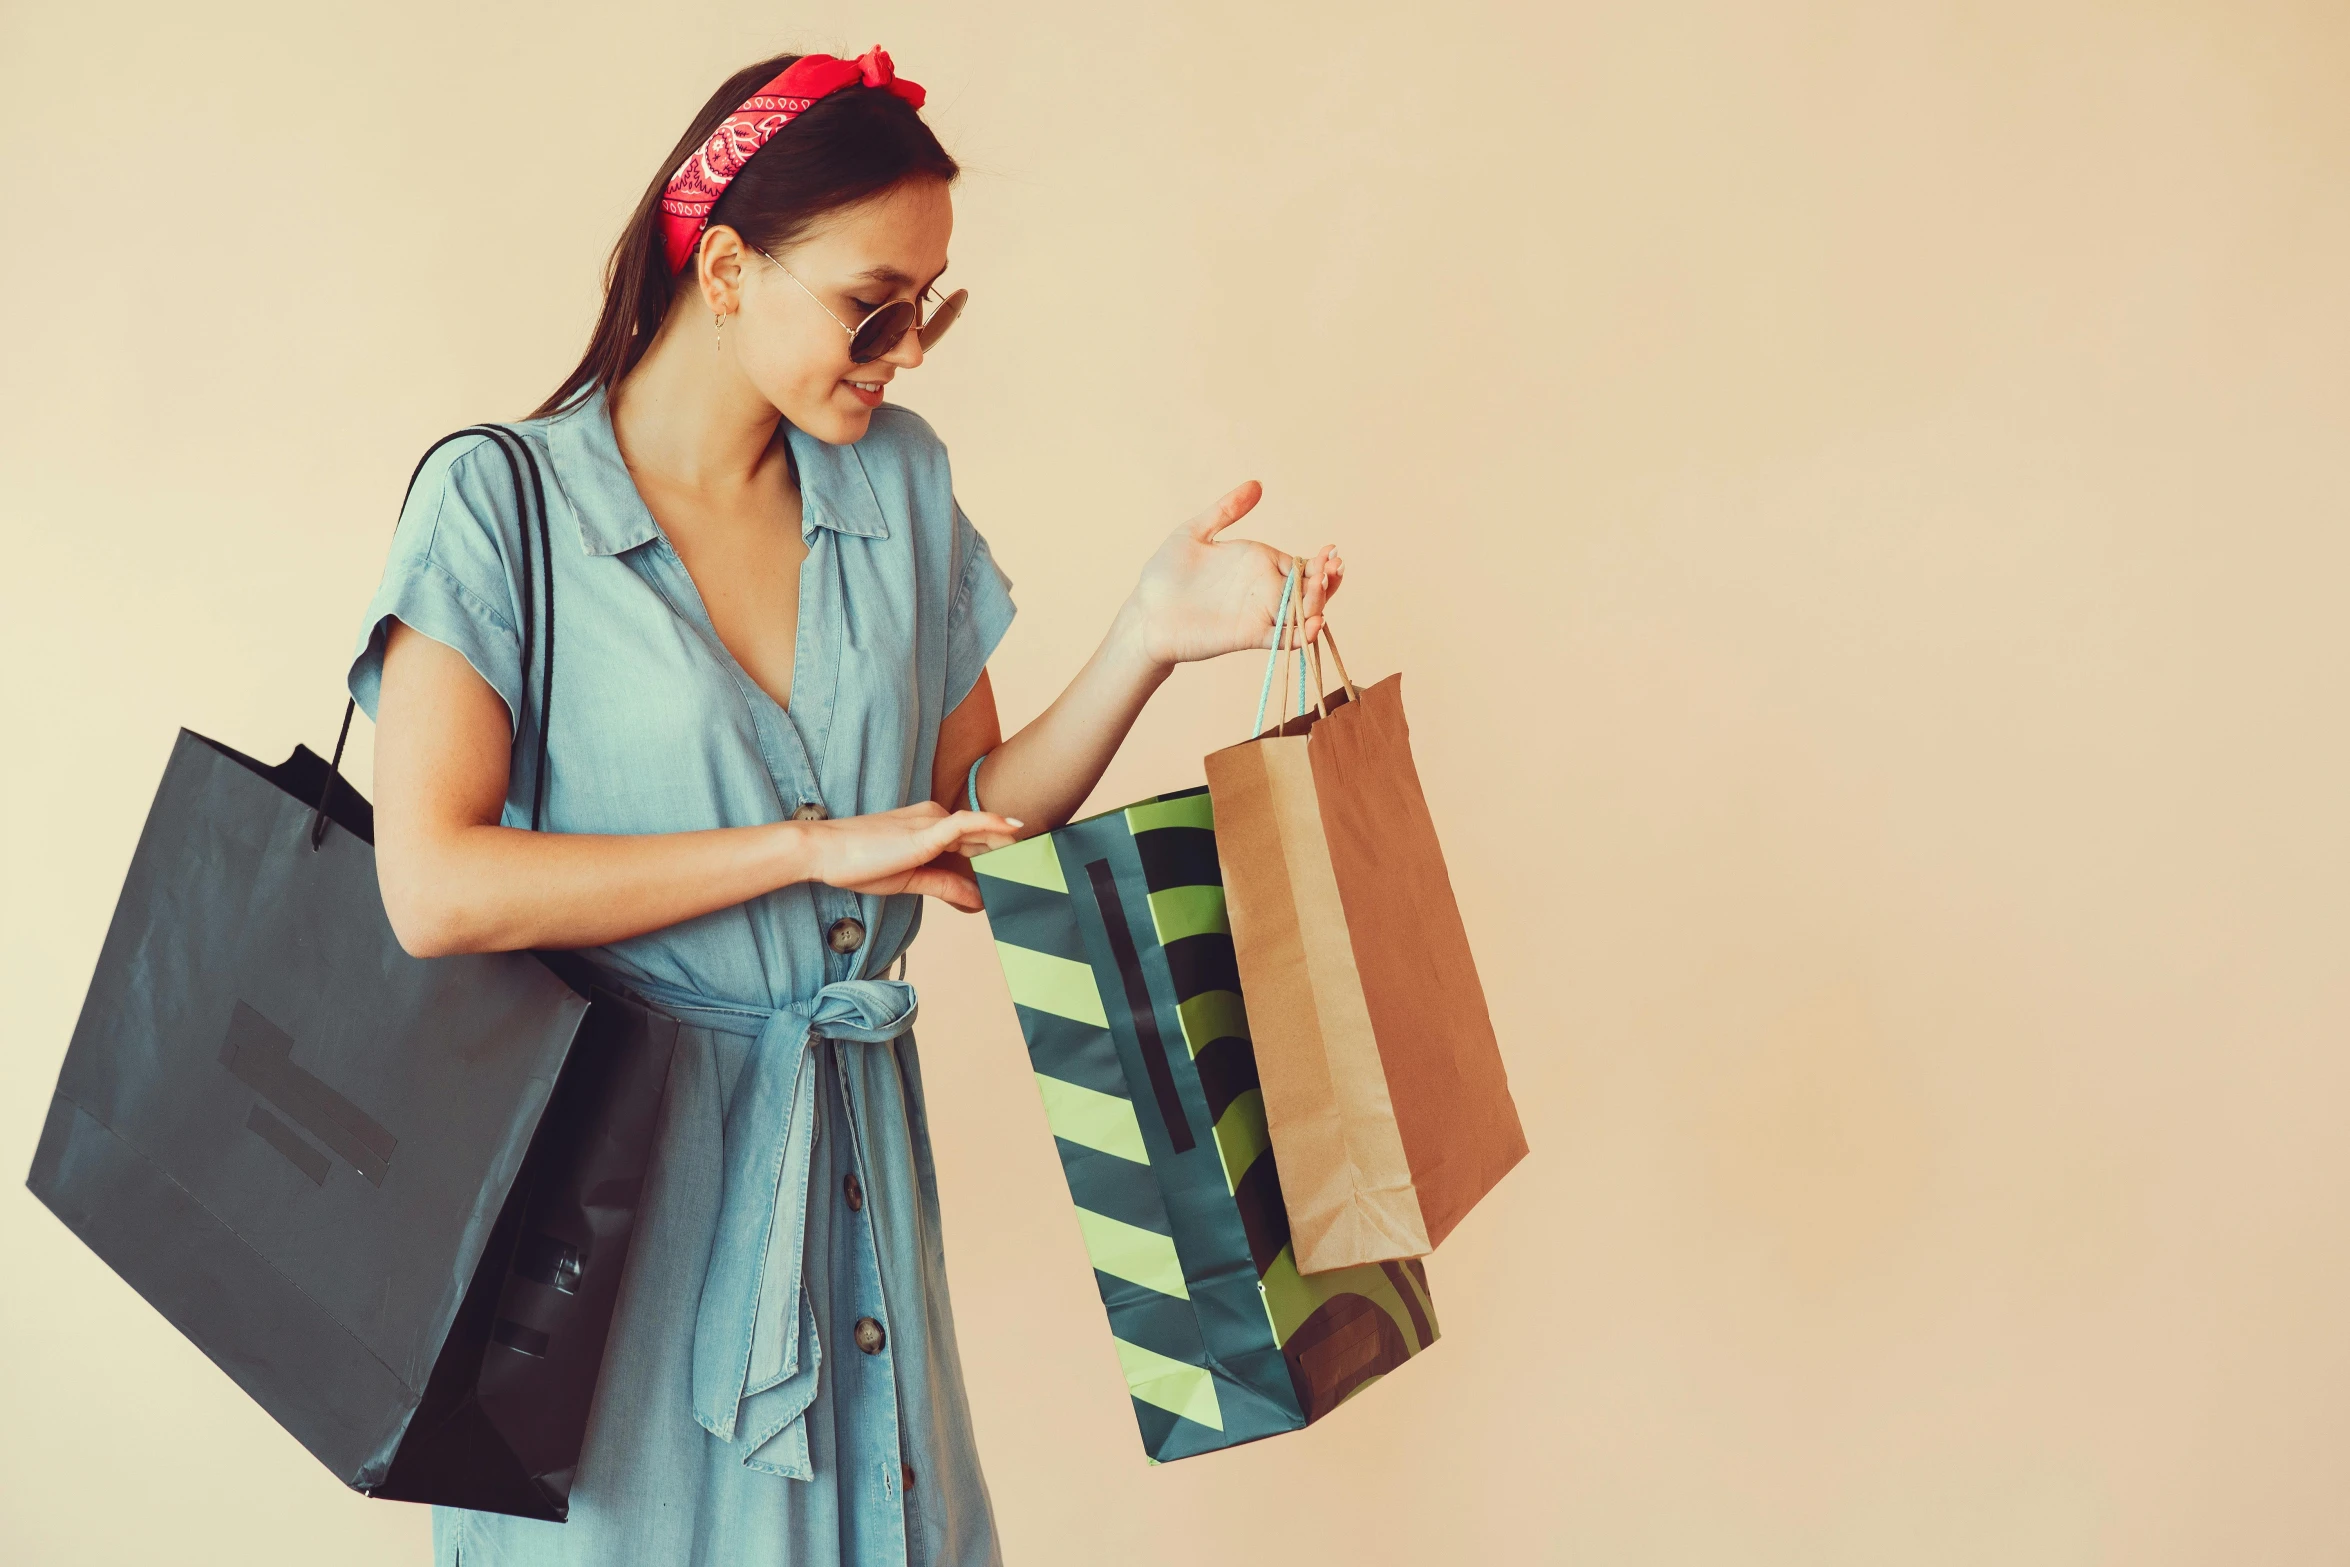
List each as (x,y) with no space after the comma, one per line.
(718,327)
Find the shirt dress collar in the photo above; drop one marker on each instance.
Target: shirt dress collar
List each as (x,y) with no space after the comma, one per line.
(834,490)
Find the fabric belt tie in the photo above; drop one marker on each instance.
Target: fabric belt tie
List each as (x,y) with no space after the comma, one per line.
(755,1348)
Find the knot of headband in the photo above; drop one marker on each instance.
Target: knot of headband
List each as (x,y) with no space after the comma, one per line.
(699,181)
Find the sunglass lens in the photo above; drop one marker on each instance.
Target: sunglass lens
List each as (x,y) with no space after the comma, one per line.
(881,330)
(943,317)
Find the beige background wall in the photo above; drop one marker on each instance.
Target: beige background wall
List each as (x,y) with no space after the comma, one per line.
(1859,491)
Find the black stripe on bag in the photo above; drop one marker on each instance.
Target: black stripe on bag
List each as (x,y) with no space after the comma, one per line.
(1138,1006)
(1202,963)
(1262,1213)
(1227,1069)
(1178,857)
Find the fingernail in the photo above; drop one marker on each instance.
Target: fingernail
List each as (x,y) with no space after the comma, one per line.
(1015,821)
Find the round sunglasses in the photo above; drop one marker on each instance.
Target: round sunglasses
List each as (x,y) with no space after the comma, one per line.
(886,327)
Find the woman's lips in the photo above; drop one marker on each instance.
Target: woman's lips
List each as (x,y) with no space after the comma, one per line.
(869,393)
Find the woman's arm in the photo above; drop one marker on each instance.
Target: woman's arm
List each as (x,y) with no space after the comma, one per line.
(1199,596)
(455,881)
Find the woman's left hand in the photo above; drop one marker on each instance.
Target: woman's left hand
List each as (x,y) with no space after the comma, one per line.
(1201,596)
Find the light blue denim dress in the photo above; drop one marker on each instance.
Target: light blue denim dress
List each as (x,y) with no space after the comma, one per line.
(782,1387)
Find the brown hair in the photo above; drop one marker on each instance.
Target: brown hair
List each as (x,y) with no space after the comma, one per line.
(847,147)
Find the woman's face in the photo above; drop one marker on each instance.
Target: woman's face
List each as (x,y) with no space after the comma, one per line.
(795,349)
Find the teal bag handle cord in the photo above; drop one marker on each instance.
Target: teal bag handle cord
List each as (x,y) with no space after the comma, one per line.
(1280,625)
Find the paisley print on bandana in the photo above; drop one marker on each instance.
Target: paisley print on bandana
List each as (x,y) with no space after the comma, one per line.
(699,181)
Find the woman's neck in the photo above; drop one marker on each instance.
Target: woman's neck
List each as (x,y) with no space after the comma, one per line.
(687,417)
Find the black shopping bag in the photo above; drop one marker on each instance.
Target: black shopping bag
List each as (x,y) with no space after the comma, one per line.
(390,1196)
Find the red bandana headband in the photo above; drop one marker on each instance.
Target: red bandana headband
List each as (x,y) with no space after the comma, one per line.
(699,181)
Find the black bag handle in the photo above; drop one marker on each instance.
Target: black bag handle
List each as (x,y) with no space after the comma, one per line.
(509,443)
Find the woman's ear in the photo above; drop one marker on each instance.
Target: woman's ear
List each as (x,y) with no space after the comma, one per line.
(719,269)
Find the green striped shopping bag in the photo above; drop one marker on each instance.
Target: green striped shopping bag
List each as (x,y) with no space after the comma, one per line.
(1114,945)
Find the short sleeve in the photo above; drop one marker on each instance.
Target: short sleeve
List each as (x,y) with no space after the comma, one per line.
(980,613)
(447,577)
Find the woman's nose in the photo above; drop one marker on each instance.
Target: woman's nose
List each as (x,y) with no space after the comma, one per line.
(907,355)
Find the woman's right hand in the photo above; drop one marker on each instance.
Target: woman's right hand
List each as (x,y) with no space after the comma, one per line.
(915,848)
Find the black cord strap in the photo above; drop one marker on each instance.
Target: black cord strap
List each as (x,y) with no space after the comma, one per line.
(511,446)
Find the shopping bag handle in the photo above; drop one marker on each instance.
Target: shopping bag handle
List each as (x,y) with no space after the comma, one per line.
(509,443)
(1290,618)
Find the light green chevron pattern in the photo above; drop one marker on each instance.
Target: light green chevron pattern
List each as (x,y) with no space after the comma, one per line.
(1177,912)
(1129,1252)
(1211,1015)
(1189,1391)
(1032,862)
(1050,983)
(1092,1119)
(1185,810)
(1241,1136)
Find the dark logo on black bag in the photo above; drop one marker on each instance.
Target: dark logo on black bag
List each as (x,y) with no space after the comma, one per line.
(260,1054)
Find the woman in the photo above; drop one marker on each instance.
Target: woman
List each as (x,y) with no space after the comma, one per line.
(772,733)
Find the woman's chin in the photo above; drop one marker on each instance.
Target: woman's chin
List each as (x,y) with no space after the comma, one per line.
(833,424)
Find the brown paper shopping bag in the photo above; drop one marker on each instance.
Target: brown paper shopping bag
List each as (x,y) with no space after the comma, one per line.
(1384,1090)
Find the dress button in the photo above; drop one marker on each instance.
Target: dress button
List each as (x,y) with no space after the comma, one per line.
(909,1469)
(811,812)
(845,935)
(854,1191)
(869,1336)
